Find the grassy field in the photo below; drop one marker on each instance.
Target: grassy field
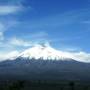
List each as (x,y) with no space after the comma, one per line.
(43,85)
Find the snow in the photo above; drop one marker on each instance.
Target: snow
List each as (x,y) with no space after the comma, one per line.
(45,52)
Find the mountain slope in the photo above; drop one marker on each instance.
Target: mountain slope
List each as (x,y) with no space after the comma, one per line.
(26,69)
(42,62)
(44,52)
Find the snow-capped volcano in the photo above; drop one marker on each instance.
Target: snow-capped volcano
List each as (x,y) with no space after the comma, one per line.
(45,52)
(42,62)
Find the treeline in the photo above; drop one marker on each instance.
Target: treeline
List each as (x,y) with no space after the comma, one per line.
(42,85)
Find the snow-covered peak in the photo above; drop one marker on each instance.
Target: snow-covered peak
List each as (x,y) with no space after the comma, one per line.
(45,52)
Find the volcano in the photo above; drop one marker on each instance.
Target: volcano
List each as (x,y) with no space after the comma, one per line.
(42,62)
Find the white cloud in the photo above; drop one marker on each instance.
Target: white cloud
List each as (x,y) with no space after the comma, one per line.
(14,42)
(1,36)
(7,9)
(81,56)
(9,55)
(19,42)
(2,27)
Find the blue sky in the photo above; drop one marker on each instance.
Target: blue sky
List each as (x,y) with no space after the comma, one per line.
(65,24)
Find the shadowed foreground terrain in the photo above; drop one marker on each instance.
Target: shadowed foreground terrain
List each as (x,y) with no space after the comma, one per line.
(24,74)
(43,85)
